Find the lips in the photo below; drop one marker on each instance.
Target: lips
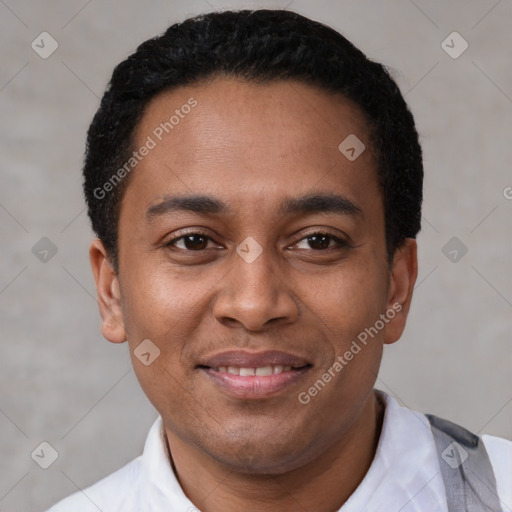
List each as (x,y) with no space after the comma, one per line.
(254,375)
(243,359)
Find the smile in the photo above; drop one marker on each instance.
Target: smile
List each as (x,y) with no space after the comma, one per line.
(254,375)
(255,383)
(261,371)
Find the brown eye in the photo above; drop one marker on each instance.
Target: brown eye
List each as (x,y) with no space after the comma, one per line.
(321,241)
(195,242)
(190,242)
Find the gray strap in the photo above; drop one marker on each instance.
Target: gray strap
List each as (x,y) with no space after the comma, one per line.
(465,467)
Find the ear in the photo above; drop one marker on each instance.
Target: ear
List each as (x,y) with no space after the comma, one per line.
(402,277)
(109,294)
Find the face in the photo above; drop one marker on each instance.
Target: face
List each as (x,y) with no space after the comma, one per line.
(252,255)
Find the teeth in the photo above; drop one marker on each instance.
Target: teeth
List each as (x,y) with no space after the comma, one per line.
(262,371)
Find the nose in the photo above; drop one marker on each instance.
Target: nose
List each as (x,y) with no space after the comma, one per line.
(254,295)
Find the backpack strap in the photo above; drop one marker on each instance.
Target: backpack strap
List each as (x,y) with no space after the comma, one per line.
(465,467)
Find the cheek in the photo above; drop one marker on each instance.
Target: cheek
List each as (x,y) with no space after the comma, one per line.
(348,305)
(156,303)
(349,301)
(166,308)
(163,310)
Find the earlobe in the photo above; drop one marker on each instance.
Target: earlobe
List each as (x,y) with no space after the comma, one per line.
(109,293)
(404,271)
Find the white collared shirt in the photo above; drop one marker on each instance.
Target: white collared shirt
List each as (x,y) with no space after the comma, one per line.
(403,477)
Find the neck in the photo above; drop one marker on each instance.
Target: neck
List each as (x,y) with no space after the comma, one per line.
(323,485)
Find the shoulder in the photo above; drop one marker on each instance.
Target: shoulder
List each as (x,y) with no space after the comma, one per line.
(113,493)
(500,455)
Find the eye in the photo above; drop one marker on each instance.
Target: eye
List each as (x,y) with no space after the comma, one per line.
(317,241)
(320,241)
(190,242)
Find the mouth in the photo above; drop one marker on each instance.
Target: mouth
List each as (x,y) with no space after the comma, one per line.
(254,375)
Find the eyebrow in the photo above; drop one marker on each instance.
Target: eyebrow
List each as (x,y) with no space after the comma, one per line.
(208,205)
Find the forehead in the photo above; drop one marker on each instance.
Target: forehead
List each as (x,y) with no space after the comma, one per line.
(244,142)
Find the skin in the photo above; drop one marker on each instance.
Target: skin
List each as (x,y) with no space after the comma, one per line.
(252,145)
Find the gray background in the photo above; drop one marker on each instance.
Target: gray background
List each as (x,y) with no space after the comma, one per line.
(61,382)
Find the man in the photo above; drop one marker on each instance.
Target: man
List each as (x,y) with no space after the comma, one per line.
(255,183)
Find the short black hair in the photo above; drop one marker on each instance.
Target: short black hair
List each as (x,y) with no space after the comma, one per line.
(258,46)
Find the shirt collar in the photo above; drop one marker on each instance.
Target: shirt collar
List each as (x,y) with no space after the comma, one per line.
(160,486)
(404,472)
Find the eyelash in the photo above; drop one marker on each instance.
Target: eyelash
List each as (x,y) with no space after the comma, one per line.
(341,244)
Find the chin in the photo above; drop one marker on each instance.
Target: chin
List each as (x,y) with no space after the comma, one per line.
(259,457)
(258,463)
